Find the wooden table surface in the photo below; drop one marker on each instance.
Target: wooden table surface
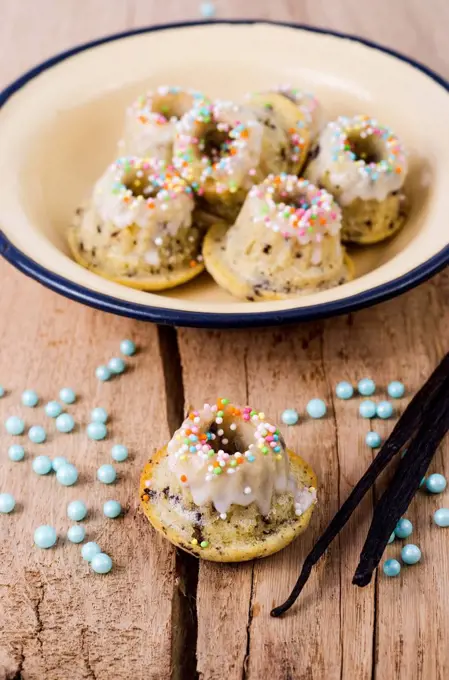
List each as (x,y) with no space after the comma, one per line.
(160,614)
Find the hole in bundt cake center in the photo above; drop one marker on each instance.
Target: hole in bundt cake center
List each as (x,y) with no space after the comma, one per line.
(215,144)
(366,149)
(230,441)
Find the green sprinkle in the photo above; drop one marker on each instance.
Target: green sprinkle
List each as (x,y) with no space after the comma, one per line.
(218,471)
(265,450)
(210,454)
(225,401)
(233,463)
(204,544)
(220,414)
(253,413)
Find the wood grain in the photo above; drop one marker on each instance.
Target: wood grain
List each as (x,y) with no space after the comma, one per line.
(158,614)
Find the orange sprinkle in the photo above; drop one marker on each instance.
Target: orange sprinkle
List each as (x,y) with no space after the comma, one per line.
(244,134)
(183,478)
(398,170)
(193,263)
(145,497)
(322,221)
(240,461)
(188,431)
(143,119)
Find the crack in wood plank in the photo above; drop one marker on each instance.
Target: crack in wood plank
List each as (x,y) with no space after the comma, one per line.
(185,618)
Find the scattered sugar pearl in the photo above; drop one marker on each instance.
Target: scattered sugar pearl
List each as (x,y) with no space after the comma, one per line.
(207,10)
(392,568)
(14,425)
(112,509)
(7,503)
(42,465)
(65,423)
(67,474)
(233,427)
(76,511)
(404,528)
(116,365)
(344,390)
(441,517)
(223,515)
(366,387)
(99,415)
(127,347)
(37,434)
(30,398)
(396,389)
(384,410)
(101,563)
(103,373)
(45,536)
(119,453)
(67,395)
(436,483)
(76,534)
(96,431)
(225,441)
(316,408)
(220,433)
(16,453)
(194,541)
(290,416)
(106,474)
(410,554)
(89,550)
(247,490)
(204,544)
(53,409)
(367,409)
(373,440)
(58,462)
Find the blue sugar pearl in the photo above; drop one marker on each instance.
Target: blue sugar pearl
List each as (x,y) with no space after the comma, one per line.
(441,517)
(101,563)
(112,509)
(97,431)
(344,390)
(99,415)
(116,365)
(58,462)
(384,410)
(106,474)
(119,453)
(404,528)
(45,536)
(396,389)
(36,434)
(392,537)
(103,373)
(207,10)
(2,391)
(373,440)
(67,474)
(367,409)
(436,483)
(76,534)
(410,554)
(392,568)
(7,503)
(67,395)
(366,387)
(76,511)
(65,422)
(16,452)
(316,408)
(290,416)
(30,398)
(89,550)
(53,409)
(15,425)
(42,465)
(127,347)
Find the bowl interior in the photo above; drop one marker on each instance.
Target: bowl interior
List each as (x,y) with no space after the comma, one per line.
(58,133)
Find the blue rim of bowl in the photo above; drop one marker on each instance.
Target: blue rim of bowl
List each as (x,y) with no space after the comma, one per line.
(176,317)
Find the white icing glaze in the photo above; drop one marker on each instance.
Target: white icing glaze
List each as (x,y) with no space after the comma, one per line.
(265,469)
(354,177)
(296,209)
(235,164)
(150,124)
(165,200)
(307,103)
